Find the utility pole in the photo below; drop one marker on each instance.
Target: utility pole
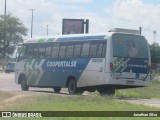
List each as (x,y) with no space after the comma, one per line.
(86,23)
(140,30)
(32,22)
(5,7)
(47,28)
(154,35)
(4,40)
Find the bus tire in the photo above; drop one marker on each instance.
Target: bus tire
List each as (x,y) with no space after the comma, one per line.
(57,89)
(24,85)
(72,86)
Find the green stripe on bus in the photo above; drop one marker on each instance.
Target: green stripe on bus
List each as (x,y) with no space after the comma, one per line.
(36,62)
(50,39)
(121,67)
(41,40)
(27,62)
(119,60)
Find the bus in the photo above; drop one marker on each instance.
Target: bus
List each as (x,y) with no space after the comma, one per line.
(118,59)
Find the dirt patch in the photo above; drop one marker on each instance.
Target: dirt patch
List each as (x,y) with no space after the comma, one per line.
(146,102)
(13,99)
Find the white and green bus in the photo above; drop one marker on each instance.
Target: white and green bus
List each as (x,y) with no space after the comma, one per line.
(118,59)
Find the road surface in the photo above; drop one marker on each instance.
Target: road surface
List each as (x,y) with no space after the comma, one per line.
(7,83)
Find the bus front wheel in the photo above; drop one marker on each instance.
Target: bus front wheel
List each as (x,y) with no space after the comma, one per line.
(57,89)
(24,85)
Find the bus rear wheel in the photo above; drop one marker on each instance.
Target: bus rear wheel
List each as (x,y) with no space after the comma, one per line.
(57,89)
(72,86)
(24,85)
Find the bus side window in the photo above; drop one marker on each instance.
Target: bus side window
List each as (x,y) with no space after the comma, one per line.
(62,50)
(100,50)
(93,49)
(55,50)
(35,51)
(48,52)
(85,49)
(30,51)
(69,51)
(22,54)
(41,51)
(104,49)
(77,50)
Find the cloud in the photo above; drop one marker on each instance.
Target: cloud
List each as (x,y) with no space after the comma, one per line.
(46,12)
(129,14)
(84,1)
(135,13)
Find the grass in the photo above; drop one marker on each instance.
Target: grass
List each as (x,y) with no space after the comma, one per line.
(152,91)
(154,74)
(54,102)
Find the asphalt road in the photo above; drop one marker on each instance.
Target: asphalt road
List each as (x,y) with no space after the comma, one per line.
(7,83)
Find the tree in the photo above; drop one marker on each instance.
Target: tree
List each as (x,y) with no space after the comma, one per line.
(12,32)
(155,52)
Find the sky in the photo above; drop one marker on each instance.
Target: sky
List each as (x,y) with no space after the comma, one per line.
(103,15)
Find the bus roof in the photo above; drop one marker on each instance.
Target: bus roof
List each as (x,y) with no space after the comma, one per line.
(81,37)
(64,38)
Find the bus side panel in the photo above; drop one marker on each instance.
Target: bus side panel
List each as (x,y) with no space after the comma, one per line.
(56,71)
(57,78)
(51,78)
(24,67)
(31,68)
(19,69)
(93,74)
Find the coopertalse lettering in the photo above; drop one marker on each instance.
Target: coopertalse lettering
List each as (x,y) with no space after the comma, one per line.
(61,63)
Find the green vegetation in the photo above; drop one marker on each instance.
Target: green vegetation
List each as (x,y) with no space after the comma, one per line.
(155,52)
(152,91)
(53,102)
(155,75)
(12,32)
(94,102)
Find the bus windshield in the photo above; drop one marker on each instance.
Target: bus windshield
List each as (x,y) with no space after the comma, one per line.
(130,46)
